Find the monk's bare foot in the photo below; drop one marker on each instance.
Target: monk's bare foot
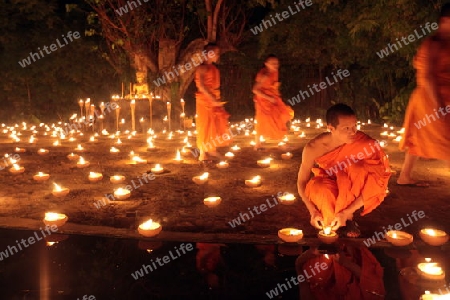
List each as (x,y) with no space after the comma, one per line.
(412,183)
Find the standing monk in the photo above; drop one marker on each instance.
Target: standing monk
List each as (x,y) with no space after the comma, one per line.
(212,119)
(271,112)
(427,126)
(352,172)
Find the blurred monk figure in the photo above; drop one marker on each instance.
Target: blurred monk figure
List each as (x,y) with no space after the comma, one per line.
(271,112)
(427,125)
(352,273)
(352,172)
(212,119)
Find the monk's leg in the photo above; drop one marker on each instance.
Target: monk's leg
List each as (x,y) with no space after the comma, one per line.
(407,168)
(322,192)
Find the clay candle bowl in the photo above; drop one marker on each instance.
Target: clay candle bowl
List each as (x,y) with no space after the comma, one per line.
(149,228)
(178,159)
(73,156)
(43,152)
(327,236)
(20,150)
(212,201)
(286,156)
(79,148)
(56,219)
(229,155)
(41,176)
(235,148)
(16,169)
(116,179)
(254,182)
(114,150)
(290,235)
(59,191)
(81,163)
(202,179)
(122,194)
(433,237)
(431,271)
(399,238)
(287,199)
(157,169)
(95,176)
(138,160)
(264,163)
(222,165)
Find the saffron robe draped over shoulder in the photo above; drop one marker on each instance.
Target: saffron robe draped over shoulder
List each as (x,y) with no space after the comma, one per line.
(338,282)
(427,130)
(271,118)
(347,172)
(211,122)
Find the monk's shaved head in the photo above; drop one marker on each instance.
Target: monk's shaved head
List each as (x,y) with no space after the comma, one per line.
(340,109)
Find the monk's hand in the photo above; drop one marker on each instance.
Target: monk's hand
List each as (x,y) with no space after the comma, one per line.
(316,219)
(339,220)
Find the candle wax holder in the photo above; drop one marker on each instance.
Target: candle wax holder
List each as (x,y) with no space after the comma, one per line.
(286,156)
(116,179)
(287,199)
(433,237)
(212,201)
(17,170)
(149,228)
(41,176)
(254,182)
(95,177)
(399,238)
(263,163)
(55,219)
(222,165)
(61,192)
(122,194)
(290,235)
(328,238)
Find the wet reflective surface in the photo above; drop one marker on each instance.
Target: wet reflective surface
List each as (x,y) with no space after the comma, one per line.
(70,267)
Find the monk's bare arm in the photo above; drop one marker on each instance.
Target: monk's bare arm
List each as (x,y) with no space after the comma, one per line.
(201,84)
(304,175)
(257,88)
(431,74)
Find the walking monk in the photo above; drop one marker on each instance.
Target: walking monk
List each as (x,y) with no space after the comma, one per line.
(212,119)
(352,172)
(427,125)
(271,112)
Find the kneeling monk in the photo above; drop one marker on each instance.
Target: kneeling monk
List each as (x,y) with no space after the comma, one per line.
(352,172)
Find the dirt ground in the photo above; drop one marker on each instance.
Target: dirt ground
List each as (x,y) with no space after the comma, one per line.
(175,201)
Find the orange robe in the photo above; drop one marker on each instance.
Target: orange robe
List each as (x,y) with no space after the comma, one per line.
(338,282)
(271,118)
(347,172)
(427,134)
(212,122)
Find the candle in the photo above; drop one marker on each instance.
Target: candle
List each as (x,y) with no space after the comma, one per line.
(56,219)
(287,199)
(433,237)
(81,163)
(235,148)
(149,228)
(201,179)
(431,296)
(43,151)
(290,235)
(133,117)
(79,148)
(138,160)
(222,165)
(114,150)
(121,194)
(178,158)
(254,182)
(327,236)
(60,191)
(286,156)
(16,169)
(72,156)
(41,176)
(95,176)
(157,169)
(212,201)
(20,150)
(116,178)
(399,238)
(264,163)
(431,271)
(229,155)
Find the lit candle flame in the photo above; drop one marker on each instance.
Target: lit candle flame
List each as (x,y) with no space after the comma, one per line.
(327,230)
